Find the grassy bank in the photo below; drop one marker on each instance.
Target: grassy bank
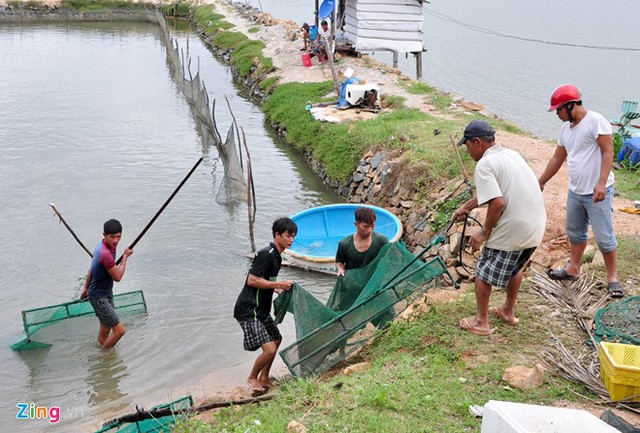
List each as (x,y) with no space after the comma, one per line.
(422,377)
(83,5)
(422,138)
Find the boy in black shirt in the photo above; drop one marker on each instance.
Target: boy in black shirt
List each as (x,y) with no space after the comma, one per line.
(253,307)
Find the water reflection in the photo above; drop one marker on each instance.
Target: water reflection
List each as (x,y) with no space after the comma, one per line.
(185,265)
(105,371)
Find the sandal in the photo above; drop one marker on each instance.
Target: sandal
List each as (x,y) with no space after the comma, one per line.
(560,275)
(467,325)
(615,290)
(496,311)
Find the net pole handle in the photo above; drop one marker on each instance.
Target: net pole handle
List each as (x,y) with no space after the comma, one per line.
(439,237)
(166,203)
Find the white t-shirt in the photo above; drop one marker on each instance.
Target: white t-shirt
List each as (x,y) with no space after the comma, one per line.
(502,172)
(584,157)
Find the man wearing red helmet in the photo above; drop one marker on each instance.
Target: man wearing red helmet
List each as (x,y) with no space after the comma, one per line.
(586,142)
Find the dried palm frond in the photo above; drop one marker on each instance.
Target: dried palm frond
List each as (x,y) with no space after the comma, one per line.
(583,369)
(574,297)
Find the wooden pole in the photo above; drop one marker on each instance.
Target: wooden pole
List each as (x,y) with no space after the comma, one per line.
(57,212)
(419,66)
(316,14)
(166,203)
(395,59)
(455,147)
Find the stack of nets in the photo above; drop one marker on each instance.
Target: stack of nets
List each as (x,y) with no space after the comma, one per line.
(361,301)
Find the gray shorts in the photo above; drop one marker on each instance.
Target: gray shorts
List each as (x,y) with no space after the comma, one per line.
(105,311)
(257,333)
(496,267)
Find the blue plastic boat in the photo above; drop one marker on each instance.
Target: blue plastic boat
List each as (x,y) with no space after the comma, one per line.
(321,228)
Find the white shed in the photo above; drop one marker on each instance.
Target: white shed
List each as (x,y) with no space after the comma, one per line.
(391,25)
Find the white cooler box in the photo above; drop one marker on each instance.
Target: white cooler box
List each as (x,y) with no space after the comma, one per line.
(508,417)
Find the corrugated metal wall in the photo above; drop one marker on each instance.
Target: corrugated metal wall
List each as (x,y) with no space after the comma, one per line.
(394,25)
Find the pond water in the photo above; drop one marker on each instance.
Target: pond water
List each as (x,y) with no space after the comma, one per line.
(476,50)
(91,120)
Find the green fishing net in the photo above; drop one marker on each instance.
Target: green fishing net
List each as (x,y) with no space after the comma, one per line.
(619,322)
(160,419)
(37,318)
(362,301)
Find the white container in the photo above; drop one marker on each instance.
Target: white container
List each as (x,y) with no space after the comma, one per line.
(509,417)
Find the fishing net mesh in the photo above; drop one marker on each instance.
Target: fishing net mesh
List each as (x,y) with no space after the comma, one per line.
(362,301)
(619,322)
(37,318)
(233,187)
(164,424)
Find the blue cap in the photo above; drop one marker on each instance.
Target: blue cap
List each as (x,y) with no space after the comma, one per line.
(477,128)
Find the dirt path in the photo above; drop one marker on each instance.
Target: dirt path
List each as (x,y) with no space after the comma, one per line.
(283,47)
(285,52)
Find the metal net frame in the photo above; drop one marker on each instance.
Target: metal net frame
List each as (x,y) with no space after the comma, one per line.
(37,318)
(342,333)
(178,411)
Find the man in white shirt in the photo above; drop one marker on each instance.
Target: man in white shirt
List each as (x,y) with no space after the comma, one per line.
(586,142)
(513,227)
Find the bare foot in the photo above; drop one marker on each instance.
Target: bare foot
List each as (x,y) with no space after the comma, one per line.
(255,386)
(269,383)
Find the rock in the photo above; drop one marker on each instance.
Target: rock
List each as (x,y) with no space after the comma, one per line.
(422,237)
(358,177)
(472,106)
(355,368)
(296,427)
(407,204)
(395,201)
(524,377)
(376,160)
(404,193)
(454,242)
(239,393)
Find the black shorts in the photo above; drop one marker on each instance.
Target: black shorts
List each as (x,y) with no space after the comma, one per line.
(257,333)
(105,311)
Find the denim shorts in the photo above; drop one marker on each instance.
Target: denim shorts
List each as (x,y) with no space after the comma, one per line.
(582,211)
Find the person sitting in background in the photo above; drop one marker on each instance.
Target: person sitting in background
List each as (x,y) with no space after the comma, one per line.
(323,40)
(305,37)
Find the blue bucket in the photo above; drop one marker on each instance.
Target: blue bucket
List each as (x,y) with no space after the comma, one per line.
(313,33)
